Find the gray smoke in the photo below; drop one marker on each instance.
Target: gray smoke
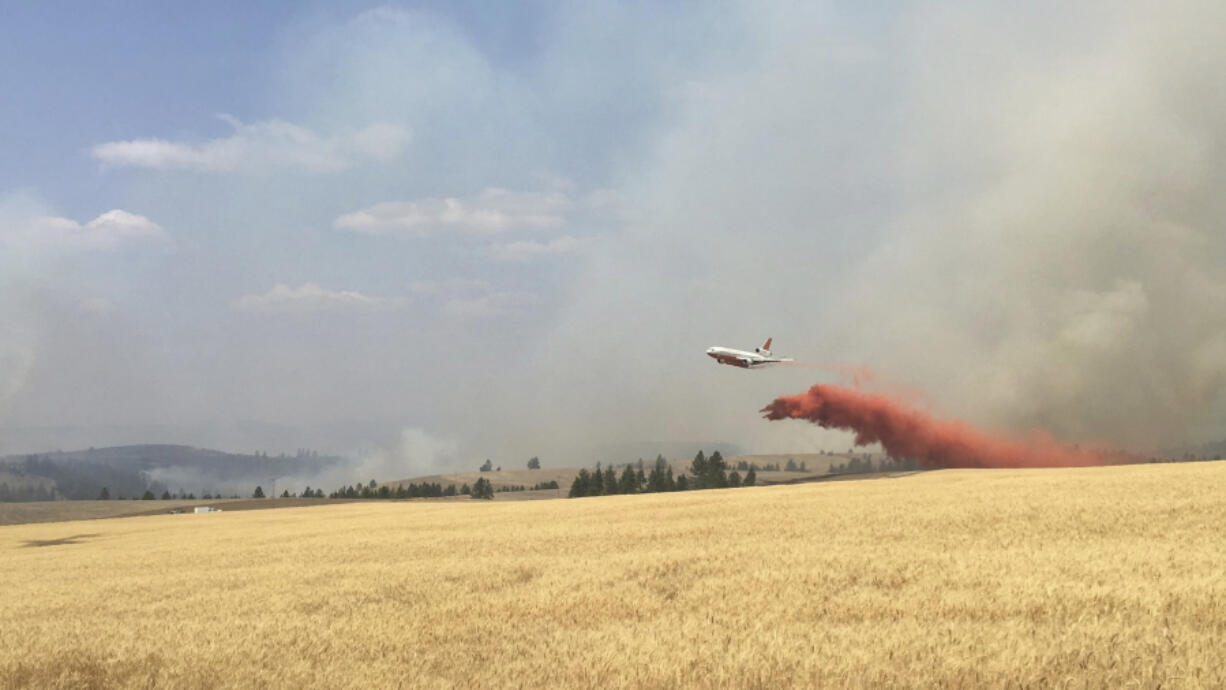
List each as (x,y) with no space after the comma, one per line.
(1019,214)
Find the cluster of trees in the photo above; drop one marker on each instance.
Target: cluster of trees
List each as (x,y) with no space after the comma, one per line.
(534,463)
(865,464)
(1189,457)
(482,488)
(704,473)
(411,490)
(539,486)
(25,492)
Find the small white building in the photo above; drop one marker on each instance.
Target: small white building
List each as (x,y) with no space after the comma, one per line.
(207,509)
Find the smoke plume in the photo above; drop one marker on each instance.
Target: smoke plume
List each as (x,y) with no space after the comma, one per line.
(909,433)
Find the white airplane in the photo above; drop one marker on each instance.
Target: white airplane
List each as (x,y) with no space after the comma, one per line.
(761,356)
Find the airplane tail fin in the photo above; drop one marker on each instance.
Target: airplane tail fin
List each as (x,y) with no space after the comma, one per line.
(766,348)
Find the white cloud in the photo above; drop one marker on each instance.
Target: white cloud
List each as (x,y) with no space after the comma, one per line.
(530,249)
(459,298)
(108,231)
(492,211)
(310,297)
(260,147)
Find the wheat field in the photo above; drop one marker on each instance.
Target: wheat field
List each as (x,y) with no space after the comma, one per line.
(1105,577)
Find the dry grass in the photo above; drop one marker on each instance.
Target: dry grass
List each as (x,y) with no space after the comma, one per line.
(1110,577)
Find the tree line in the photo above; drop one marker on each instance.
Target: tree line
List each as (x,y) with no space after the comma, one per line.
(704,473)
(865,465)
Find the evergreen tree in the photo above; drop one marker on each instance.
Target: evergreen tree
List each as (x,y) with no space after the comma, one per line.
(655,480)
(483,489)
(669,483)
(595,486)
(487,466)
(734,479)
(579,488)
(682,483)
(698,468)
(751,477)
(629,483)
(717,476)
(285,494)
(104,495)
(466,490)
(534,463)
(166,495)
(610,482)
(259,492)
(791,466)
(147,496)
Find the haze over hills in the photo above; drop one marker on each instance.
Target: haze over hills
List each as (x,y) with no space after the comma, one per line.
(132,470)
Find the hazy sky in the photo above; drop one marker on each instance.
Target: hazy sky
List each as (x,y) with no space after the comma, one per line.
(453,230)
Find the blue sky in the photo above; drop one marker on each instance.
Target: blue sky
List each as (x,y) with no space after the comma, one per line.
(513,228)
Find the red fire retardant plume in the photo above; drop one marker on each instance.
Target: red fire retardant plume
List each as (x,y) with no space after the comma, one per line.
(908,433)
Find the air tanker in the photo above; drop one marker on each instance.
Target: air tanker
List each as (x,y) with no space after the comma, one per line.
(760,357)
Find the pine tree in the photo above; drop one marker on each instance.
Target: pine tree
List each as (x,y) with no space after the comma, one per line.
(698,468)
(717,471)
(534,463)
(682,483)
(734,479)
(147,496)
(483,489)
(595,486)
(655,480)
(104,495)
(629,483)
(259,492)
(579,488)
(610,482)
(166,495)
(751,477)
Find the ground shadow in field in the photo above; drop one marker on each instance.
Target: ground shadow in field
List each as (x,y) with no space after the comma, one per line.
(74,539)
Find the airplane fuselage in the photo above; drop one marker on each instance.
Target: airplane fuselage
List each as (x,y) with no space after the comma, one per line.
(742,358)
(737,358)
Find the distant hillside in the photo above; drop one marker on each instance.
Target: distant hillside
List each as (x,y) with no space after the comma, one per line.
(131,470)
